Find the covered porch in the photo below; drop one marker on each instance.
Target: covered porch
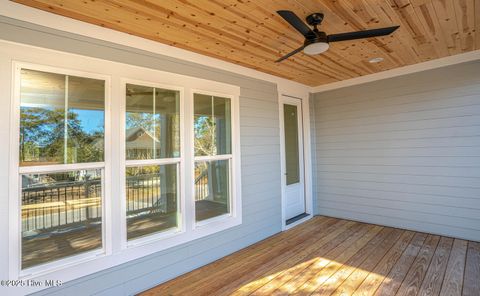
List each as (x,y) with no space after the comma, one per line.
(329,256)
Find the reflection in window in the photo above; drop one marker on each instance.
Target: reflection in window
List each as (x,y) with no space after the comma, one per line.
(61,119)
(152,134)
(152,123)
(292,161)
(212,196)
(212,125)
(151,199)
(61,215)
(212,129)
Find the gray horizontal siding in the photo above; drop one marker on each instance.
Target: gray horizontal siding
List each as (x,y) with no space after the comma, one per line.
(403,152)
(260,148)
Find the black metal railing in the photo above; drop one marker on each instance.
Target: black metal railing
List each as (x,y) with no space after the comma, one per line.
(65,204)
(201,185)
(144,194)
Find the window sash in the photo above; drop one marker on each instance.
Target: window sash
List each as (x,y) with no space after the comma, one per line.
(124,111)
(15,231)
(67,110)
(158,234)
(231,158)
(125,163)
(231,192)
(146,162)
(228,132)
(80,257)
(213,157)
(60,167)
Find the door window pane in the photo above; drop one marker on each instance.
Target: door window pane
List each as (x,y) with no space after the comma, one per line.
(152,122)
(151,199)
(212,189)
(61,215)
(212,125)
(291,144)
(61,119)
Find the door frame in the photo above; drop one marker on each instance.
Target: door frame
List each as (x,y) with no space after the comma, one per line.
(307,157)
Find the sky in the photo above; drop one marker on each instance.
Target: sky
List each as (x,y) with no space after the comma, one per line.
(91,120)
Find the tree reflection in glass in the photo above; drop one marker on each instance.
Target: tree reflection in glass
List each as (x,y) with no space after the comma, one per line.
(61,119)
(212,127)
(152,122)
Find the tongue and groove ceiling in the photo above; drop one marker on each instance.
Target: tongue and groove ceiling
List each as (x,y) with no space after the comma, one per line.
(251,34)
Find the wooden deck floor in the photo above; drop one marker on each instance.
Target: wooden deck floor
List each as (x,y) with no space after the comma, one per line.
(327,256)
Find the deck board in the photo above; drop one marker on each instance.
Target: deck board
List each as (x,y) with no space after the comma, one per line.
(317,279)
(471,283)
(329,286)
(288,267)
(346,249)
(453,282)
(242,256)
(391,283)
(350,285)
(432,283)
(329,256)
(413,281)
(280,263)
(376,276)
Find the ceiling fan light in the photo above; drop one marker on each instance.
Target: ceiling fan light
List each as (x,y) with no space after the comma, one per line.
(316,48)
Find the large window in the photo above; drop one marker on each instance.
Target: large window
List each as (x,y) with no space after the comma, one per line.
(61,127)
(213,153)
(152,145)
(108,169)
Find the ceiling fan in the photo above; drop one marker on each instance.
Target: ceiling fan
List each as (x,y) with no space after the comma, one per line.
(317,41)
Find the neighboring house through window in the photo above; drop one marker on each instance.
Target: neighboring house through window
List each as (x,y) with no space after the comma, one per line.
(177,154)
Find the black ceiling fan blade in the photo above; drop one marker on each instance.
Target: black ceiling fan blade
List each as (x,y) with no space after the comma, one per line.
(296,22)
(290,54)
(361,34)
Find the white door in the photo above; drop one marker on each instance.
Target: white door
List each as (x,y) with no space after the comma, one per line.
(293,164)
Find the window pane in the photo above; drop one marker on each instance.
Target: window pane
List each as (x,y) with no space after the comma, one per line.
(212,192)
(152,122)
(151,199)
(86,101)
(212,125)
(61,215)
(292,161)
(42,118)
(61,119)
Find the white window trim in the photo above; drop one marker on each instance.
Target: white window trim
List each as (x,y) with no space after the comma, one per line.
(124,163)
(15,242)
(233,205)
(114,255)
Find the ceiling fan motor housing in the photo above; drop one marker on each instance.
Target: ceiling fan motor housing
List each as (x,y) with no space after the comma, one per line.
(319,37)
(315,19)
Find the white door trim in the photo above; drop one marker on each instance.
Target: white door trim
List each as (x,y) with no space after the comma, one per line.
(306,157)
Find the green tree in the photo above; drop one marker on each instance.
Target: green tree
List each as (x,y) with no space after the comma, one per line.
(205,136)
(142,119)
(43,137)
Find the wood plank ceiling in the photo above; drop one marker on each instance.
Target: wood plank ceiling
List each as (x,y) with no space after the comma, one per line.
(250,33)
